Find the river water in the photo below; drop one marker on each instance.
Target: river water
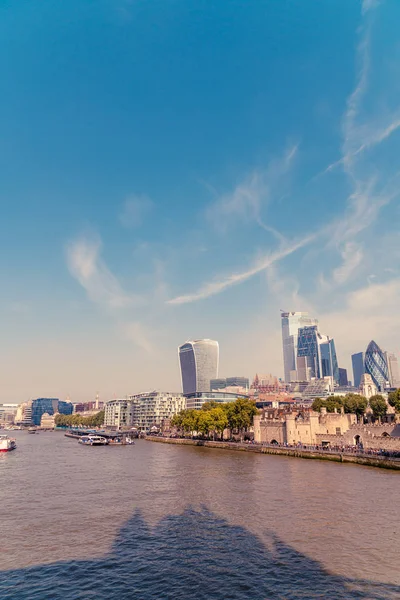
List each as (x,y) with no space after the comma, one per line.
(157,521)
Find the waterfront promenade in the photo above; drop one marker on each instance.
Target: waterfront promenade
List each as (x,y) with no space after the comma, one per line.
(366,457)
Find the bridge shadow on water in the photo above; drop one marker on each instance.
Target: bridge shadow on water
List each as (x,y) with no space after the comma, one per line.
(196,555)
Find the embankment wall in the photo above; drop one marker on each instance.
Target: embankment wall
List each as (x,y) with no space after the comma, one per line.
(371,461)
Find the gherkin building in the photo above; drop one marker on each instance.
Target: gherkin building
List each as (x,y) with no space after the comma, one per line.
(376,365)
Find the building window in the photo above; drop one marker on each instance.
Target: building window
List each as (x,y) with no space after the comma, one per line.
(338,431)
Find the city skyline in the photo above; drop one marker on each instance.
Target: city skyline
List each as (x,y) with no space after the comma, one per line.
(146,200)
(319,354)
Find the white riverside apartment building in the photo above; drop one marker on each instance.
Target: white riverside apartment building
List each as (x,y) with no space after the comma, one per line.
(143,411)
(118,413)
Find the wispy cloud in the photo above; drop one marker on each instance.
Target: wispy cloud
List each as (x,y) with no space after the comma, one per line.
(371,191)
(369,5)
(135,210)
(352,256)
(359,137)
(285,288)
(103,288)
(139,334)
(251,195)
(215,287)
(370,312)
(85,264)
(363,207)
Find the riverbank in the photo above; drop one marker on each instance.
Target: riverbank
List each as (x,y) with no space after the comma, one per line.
(370,461)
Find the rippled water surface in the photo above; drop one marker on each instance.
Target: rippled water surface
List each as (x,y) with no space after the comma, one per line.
(157,521)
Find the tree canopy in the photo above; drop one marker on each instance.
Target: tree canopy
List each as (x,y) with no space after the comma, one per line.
(76,420)
(240,414)
(330,403)
(187,420)
(394,400)
(216,417)
(351,403)
(378,406)
(355,403)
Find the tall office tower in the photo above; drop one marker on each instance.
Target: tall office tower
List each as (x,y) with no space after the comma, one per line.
(343,381)
(49,406)
(199,364)
(329,363)
(357,361)
(393,366)
(303,371)
(43,405)
(291,322)
(375,364)
(316,355)
(308,352)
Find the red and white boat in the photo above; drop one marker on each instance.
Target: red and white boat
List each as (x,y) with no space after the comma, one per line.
(7,444)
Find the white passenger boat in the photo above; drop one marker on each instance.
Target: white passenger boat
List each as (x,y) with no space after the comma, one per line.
(7,444)
(93,440)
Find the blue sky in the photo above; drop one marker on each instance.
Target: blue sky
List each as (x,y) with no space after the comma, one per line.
(174,169)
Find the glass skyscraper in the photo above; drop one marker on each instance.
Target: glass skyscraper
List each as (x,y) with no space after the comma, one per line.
(199,364)
(308,347)
(291,322)
(393,368)
(316,355)
(329,362)
(357,361)
(376,366)
(343,381)
(50,406)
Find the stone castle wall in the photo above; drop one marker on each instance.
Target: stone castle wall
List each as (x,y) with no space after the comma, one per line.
(313,428)
(368,442)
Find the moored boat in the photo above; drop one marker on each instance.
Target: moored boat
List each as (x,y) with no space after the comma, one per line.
(120,440)
(93,440)
(7,444)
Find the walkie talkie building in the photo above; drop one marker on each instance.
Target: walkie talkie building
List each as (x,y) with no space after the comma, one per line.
(199,364)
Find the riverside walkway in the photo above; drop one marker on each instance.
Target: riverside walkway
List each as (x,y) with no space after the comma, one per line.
(368,457)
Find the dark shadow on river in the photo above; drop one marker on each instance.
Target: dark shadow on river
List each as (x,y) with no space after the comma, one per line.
(196,555)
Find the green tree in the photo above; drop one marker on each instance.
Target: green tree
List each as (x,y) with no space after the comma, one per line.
(334,403)
(177,420)
(216,416)
(240,414)
(330,403)
(77,420)
(190,421)
(205,422)
(378,406)
(219,420)
(186,420)
(60,420)
(317,404)
(394,400)
(96,420)
(210,405)
(355,403)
